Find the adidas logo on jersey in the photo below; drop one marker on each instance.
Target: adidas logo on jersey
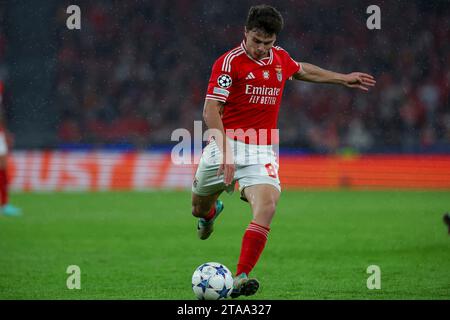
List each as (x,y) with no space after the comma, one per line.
(250,76)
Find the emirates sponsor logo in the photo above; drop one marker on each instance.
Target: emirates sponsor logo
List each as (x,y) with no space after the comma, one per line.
(263,91)
(262,95)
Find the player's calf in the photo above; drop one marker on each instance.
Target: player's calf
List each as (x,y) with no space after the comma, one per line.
(205,226)
(201,205)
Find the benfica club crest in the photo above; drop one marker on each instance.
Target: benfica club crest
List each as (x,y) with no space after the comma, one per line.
(266,74)
(279,73)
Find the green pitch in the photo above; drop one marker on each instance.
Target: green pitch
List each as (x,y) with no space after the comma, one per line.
(144,245)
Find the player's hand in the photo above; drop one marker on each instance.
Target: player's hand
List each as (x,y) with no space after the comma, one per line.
(228,172)
(227,169)
(359,80)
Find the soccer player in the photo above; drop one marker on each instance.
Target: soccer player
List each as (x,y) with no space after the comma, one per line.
(241,111)
(6,208)
(447,221)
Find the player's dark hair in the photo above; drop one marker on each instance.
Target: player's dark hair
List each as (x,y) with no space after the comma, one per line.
(265,18)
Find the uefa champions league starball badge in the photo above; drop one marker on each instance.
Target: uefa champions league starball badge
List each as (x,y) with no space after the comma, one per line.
(224,81)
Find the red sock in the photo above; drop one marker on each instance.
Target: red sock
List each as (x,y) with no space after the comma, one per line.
(253,243)
(3,187)
(211,213)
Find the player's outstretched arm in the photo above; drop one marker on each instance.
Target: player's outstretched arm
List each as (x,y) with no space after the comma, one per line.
(312,73)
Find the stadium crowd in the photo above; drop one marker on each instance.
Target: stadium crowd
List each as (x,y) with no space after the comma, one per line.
(137,70)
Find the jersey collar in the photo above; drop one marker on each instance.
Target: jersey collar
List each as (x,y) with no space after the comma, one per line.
(262,62)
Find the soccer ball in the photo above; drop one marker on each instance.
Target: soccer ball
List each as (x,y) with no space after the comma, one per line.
(212,281)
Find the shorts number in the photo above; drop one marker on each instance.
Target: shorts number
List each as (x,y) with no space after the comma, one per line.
(271,171)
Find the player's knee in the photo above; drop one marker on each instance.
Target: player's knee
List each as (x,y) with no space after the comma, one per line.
(265,213)
(269,207)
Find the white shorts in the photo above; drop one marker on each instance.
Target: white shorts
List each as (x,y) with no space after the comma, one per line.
(255,164)
(3,144)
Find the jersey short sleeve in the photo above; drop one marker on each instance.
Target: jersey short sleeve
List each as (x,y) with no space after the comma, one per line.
(221,81)
(290,65)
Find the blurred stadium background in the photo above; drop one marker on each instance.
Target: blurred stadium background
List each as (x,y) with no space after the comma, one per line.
(93,110)
(137,70)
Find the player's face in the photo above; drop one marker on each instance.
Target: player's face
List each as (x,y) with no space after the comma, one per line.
(259,43)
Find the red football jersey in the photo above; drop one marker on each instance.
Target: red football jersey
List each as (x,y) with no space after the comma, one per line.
(251,91)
